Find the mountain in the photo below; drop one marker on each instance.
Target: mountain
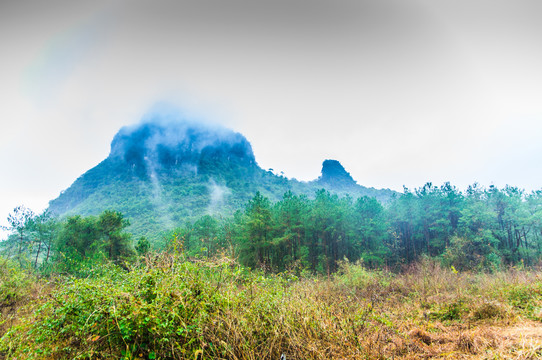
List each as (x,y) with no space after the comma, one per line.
(336,177)
(165,171)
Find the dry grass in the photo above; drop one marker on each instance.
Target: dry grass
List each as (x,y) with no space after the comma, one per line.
(427,312)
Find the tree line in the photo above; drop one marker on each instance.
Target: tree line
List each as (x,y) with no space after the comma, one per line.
(477,229)
(42,241)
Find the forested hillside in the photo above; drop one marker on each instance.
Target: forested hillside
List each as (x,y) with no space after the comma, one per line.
(168,170)
(478,229)
(168,182)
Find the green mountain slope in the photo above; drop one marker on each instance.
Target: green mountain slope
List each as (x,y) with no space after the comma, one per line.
(162,173)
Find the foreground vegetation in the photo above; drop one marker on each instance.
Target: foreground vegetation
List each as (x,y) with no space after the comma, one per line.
(166,306)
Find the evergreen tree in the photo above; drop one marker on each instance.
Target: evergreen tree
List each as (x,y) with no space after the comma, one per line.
(117,243)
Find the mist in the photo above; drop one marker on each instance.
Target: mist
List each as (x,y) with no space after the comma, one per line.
(401,92)
(166,139)
(217,195)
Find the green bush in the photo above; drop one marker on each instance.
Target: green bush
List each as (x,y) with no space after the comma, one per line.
(453,311)
(15,282)
(168,309)
(527,298)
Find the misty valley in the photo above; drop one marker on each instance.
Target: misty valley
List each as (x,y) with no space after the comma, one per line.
(179,245)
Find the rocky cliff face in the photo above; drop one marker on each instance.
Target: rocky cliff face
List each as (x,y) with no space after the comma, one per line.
(334,175)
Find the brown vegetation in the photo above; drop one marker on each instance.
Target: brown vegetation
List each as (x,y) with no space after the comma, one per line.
(427,312)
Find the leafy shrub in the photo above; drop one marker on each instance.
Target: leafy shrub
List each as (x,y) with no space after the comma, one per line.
(451,311)
(15,282)
(527,298)
(355,275)
(162,310)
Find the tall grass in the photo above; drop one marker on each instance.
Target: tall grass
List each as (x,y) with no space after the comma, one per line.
(169,307)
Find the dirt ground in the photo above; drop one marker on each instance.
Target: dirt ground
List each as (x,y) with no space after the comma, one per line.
(524,341)
(519,341)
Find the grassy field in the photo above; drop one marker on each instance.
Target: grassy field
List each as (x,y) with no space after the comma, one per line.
(168,307)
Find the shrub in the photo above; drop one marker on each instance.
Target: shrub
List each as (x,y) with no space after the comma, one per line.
(162,310)
(489,310)
(451,311)
(14,282)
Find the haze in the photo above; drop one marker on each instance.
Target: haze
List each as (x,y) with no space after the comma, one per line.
(401,92)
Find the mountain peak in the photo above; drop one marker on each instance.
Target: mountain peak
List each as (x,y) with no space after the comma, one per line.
(160,143)
(334,174)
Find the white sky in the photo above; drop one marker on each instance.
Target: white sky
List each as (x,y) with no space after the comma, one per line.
(400,91)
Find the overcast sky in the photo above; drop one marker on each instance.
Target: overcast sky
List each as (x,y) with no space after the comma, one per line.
(401,92)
